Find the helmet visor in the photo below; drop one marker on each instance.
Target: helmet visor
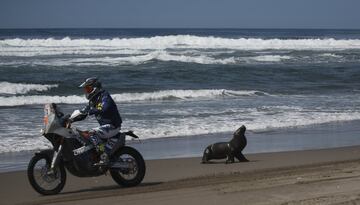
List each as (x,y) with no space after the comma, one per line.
(88,89)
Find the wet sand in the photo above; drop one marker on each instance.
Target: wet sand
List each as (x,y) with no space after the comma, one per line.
(327,176)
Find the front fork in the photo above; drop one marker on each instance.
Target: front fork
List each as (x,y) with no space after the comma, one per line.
(55,159)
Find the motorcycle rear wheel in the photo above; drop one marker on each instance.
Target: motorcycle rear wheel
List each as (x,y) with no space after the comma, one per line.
(40,179)
(133,176)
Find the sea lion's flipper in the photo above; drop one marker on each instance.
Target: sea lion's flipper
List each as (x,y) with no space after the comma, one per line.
(206,155)
(241,157)
(230,159)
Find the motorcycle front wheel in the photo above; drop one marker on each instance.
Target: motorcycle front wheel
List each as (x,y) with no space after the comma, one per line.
(135,169)
(42,179)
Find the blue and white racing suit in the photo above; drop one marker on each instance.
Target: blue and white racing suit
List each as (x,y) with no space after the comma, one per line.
(107,114)
(105,131)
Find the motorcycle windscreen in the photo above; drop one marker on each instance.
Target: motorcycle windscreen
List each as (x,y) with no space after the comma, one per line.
(51,120)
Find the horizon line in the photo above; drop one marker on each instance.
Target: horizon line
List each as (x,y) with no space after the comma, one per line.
(205,28)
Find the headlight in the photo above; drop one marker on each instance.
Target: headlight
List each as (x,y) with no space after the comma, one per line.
(46,120)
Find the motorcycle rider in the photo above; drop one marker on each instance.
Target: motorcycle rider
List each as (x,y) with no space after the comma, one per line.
(105,110)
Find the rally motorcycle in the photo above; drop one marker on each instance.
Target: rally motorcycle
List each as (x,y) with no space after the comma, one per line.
(73,150)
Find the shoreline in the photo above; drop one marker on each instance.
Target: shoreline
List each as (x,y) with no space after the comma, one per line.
(175,176)
(321,136)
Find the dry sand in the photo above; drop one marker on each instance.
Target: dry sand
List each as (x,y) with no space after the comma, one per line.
(328,176)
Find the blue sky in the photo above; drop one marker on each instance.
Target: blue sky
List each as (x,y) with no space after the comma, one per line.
(180,14)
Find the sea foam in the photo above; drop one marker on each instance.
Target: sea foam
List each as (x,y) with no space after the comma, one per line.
(128,97)
(22,88)
(177,48)
(50,46)
(257,120)
(156,55)
(270,58)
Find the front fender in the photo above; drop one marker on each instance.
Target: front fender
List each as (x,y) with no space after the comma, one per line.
(49,154)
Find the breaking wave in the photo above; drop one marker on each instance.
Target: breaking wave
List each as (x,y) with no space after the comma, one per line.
(257,120)
(128,97)
(139,59)
(330,55)
(20,88)
(131,46)
(270,58)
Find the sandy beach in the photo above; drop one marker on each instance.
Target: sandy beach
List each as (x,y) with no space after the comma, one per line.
(326,176)
(183,76)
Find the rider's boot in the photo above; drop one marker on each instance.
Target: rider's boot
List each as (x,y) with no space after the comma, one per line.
(100,148)
(104,157)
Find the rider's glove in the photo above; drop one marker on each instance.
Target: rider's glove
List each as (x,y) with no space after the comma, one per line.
(70,120)
(85,109)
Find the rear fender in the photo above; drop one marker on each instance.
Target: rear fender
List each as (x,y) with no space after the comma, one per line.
(126,148)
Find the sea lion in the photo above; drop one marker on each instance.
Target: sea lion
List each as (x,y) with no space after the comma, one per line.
(229,150)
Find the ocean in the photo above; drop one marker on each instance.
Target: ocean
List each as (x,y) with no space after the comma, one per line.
(171,83)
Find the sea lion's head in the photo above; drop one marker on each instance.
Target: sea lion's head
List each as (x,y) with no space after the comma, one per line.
(240,131)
